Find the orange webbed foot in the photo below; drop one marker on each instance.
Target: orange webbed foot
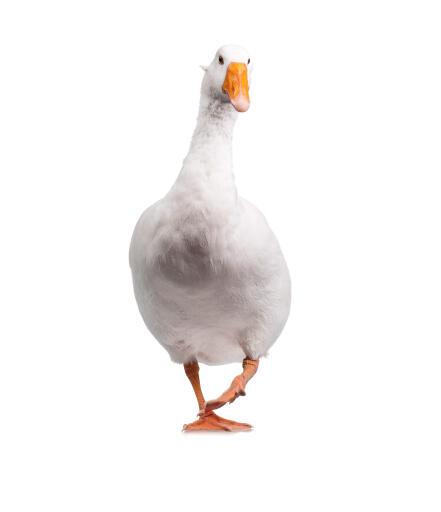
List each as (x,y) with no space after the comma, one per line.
(212,422)
(236,389)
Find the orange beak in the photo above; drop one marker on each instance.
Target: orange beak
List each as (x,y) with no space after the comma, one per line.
(236,86)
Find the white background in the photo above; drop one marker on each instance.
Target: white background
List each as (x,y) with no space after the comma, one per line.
(340,150)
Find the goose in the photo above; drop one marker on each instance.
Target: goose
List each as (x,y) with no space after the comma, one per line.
(209,278)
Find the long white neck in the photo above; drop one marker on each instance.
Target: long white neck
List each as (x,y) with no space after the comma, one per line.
(208,167)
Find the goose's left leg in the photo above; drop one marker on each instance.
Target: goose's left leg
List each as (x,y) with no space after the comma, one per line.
(237,387)
(208,420)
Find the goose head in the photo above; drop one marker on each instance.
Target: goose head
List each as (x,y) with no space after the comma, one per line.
(226,78)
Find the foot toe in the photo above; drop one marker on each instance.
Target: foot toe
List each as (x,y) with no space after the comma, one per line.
(211,421)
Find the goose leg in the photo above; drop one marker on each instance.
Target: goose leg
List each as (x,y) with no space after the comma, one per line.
(208,420)
(237,387)
(192,372)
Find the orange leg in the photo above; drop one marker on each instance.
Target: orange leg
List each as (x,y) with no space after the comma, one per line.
(237,387)
(208,420)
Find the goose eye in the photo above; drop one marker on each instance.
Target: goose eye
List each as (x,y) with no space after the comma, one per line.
(221,59)
(249,60)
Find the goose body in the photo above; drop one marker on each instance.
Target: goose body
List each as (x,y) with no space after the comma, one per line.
(209,277)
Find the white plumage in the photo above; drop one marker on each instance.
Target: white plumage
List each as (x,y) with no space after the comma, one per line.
(209,277)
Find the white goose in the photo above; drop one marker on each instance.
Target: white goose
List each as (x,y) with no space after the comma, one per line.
(209,277)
